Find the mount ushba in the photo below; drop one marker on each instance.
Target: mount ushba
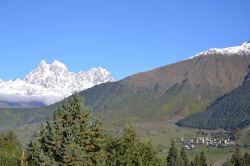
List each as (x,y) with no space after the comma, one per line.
(49,83)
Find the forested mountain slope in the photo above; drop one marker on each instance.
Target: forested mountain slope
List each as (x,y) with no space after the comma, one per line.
(229,111)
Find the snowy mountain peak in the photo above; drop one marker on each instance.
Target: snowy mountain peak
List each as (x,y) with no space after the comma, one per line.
(58,64)
(242,50)
(42,65)
(98,70)
(54,80)
(43,62)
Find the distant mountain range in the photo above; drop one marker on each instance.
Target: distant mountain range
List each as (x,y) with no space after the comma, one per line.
(153,99)
(49,83)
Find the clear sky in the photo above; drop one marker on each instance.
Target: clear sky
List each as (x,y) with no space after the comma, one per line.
(124,36)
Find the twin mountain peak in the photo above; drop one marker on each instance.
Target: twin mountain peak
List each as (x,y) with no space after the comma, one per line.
(54,79)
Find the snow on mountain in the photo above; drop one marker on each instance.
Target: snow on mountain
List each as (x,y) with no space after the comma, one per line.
(242,50)
(20,87)
(54,77)
(54,80)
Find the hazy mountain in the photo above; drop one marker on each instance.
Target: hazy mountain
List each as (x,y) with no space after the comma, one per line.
(49,83)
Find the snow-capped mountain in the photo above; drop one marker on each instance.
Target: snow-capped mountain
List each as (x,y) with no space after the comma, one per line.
(242,50)
(53,81)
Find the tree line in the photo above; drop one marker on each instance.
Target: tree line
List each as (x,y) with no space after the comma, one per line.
(174,158)
(72,137)
(237,159)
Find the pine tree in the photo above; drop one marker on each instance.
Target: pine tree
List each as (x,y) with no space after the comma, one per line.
(70,137)
(184,157)
(10,149)
(172,157)
(203,160)
(236,157)
(246,160)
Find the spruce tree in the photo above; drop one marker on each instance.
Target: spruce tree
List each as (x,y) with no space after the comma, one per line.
(236,157)
(172,157)
(70,137)
(184,157)
(10,149)
(203,160)
(246,160)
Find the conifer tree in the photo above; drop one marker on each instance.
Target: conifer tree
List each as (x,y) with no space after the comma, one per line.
(10,149)
(203,160)
(172,157)
(70,137)
(236,157)
(246,160)
(184,157)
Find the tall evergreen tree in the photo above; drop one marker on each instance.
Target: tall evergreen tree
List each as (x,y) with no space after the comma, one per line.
(246,160)
(172,157)
(10,149)
(70,137)
(236,157)
(203,160)
(184,157)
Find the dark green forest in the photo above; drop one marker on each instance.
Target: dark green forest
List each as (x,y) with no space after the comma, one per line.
(230,111)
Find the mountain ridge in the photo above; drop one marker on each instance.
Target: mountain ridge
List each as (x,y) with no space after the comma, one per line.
(179,89)
(242,50)
(54,81)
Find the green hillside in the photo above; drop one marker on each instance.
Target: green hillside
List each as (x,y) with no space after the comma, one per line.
(178,89)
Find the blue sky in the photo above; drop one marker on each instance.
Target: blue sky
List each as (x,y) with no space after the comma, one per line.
(124,36)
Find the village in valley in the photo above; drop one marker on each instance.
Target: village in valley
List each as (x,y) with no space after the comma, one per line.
(193,143)
(219,139)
